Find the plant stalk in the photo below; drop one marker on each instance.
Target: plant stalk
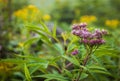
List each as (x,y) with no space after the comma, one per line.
(84,64)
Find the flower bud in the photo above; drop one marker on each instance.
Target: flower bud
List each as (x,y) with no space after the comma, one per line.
(101,41)
(75,27)
(85,34)
(85,41)
(75,52)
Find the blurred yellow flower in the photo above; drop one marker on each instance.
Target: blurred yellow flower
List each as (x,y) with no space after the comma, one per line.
(29,13)
(112,23)
(6,67)
(3,1)
(88,18)
(20,44)
(46,17)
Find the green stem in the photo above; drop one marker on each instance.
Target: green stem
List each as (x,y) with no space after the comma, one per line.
(84,64)
(63,65)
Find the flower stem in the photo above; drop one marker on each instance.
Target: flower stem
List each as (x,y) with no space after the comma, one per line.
(84,64)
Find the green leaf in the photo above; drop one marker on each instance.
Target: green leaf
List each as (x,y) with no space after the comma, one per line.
(95,67)
(45,28)
(34,27)
(94,76)
(42,31)
(33,69)
(53,77)
(35,61)
(41,64)
(83,76)
(43,37)
(71,47)
(68,73)
(53,61)
(100,72)
(72,60)
(28,42)
(54,31)
(16,61)
(59,48)
(27,74)
(103,51)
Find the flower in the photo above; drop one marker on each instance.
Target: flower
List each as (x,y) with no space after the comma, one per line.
(89,38)
(29,13)
(88,18)
(46,17)
(75,52)
(20,44)
(112,23)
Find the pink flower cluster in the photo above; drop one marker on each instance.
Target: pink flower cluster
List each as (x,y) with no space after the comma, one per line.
(90,38)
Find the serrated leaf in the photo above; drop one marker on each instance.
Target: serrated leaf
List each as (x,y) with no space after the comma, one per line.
(71,47)
(41,64)
(59,48)
(68,73)
(53,77)
(100,72)
(34,27)
(95,67)
(54,31)
(72,60)
(107,51)
(45,28)
(28,42)
(17,61)
(83,76)
(33,69)
(27,74)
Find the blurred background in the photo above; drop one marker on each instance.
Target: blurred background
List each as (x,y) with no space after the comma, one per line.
(14,14)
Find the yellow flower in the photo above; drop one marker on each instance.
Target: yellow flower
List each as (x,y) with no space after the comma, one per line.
(46,17)
(29,13)
(6,66)
(20,44)
(22,14)
(32,7)
(88,18)
(3,1)
(112,23)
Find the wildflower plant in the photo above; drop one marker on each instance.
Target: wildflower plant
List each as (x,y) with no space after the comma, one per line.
(69,59)
(90,39)
(63,60)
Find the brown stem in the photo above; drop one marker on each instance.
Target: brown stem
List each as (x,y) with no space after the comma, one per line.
(84,63)
(69,64)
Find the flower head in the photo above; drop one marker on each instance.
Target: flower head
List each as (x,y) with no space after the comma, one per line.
(87,37)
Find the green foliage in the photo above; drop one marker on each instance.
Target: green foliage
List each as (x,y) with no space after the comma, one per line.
(56,77)
(27,74)
(33,52)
